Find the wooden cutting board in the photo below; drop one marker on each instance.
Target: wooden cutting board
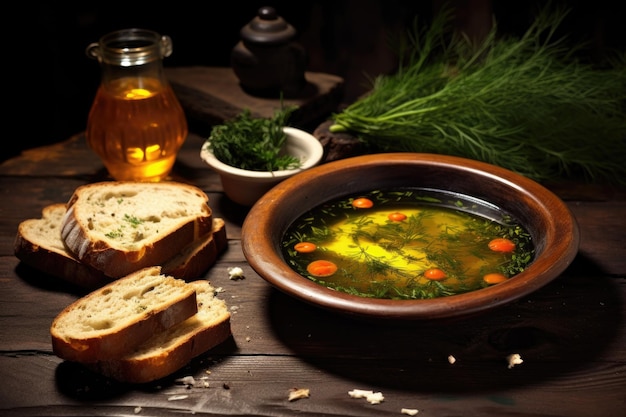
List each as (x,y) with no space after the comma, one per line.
(212,94)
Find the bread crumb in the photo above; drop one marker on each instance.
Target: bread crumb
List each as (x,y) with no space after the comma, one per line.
(137,410)
(375,398)
(451,359)
(235,272)
(188,380)
(298,393)
(359,393)
(409,411)
(371,396)
(177,397)
(514,359)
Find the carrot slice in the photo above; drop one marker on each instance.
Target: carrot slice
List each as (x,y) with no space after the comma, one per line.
(494,278)
(502,245)
(362,203)
(305,247)
(321,268)
(396,217)
(434,274)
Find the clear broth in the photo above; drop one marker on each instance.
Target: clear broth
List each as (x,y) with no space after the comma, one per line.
(378,257)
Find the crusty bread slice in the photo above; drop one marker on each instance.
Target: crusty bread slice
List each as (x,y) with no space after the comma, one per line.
(114,319)
(196,258)
(121,227)
(169,351)
(38,243)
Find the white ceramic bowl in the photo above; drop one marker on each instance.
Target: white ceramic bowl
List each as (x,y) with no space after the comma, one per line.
(245,187)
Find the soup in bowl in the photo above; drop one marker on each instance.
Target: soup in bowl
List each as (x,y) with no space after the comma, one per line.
(409,236)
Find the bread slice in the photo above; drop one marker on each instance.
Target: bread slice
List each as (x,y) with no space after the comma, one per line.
(169,351)
(116,318)
(38,243)
(121,227)
(196,258)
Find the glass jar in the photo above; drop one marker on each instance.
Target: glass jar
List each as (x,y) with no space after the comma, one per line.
(136,124)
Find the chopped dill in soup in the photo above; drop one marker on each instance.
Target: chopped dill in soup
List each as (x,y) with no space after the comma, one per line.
(407,244)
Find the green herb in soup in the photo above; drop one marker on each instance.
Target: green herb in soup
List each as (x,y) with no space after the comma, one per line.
(407,244)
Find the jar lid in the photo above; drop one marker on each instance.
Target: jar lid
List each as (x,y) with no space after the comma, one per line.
(129,47)
(268,28)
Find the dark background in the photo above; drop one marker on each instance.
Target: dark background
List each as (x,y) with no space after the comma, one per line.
(50,82)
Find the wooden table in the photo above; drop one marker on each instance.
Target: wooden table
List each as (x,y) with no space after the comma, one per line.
(211,95)
(570,333)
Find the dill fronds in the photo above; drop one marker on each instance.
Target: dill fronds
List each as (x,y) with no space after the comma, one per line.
(526,104)
(254,144)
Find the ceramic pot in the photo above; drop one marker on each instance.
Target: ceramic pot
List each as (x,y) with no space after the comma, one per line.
(267,60)
(245,187)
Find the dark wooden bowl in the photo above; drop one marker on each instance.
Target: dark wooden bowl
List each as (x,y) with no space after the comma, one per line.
(553,228)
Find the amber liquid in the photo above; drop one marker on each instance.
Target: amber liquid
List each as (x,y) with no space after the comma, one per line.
(137,126)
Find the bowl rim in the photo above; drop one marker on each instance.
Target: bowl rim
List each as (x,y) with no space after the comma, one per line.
(314,156)
(560,238)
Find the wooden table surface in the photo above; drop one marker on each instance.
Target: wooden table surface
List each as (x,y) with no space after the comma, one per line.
(570,333)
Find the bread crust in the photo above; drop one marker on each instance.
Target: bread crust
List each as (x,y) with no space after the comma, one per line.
(105,255)
(155,360)
(143,370)
(193,261)
(31,248)
(120,338)
(45,251)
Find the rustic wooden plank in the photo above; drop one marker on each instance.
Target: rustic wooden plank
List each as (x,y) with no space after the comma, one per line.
(602,228)
(212,95)
(556,323)
(74,158)
(570,333)
(246,385)
(70,158)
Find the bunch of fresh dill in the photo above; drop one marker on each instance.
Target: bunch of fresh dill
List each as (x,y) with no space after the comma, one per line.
(254,144)
(523,103)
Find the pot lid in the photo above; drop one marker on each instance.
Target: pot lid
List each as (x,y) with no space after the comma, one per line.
(267,28)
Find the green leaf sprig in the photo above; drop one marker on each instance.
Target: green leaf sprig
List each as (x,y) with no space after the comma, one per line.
(254,144)
(526,104)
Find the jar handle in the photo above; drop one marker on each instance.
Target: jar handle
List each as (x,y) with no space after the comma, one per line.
(93,50)
(166,46)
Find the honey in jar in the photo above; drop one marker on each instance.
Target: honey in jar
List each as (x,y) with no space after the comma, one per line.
(136,124)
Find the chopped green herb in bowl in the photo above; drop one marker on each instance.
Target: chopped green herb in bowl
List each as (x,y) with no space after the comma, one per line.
(255,144)
(251,155)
